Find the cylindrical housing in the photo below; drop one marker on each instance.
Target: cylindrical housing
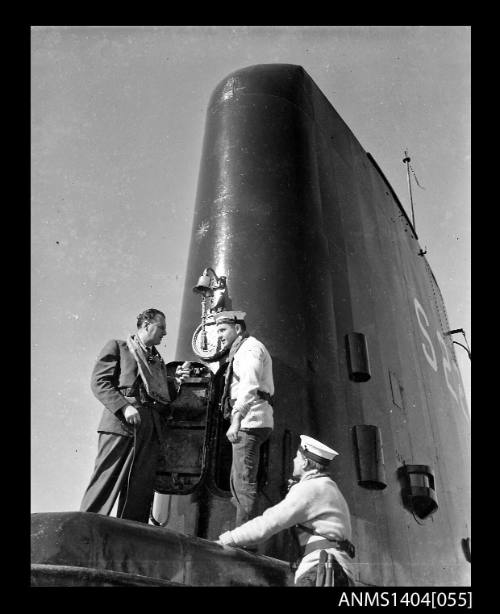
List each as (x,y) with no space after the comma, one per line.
(358,360)
(369,456)
(418,489)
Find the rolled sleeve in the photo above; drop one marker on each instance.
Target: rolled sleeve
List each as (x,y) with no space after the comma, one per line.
(289,512)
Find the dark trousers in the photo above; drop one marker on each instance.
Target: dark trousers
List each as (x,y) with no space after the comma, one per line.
(244,469)
(125,467)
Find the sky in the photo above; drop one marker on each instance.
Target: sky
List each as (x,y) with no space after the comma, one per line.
(117,122)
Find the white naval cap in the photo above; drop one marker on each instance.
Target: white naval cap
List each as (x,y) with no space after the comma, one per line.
(229,316)
(315,450)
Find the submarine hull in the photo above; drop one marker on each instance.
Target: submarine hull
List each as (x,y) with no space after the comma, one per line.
(86,549)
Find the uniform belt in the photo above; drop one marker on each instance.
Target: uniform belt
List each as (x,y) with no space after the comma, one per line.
(322,544)
(260,393)
(266,396)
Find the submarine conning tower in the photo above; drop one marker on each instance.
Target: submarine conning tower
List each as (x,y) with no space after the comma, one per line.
(319,252)
(259,220)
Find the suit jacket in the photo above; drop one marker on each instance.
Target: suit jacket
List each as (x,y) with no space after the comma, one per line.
(115,370)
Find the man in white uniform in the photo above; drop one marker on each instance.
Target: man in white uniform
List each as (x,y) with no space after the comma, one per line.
(317,509)
(246,401)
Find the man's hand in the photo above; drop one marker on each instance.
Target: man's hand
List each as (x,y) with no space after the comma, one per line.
(182,372)
(232,432)
(132,416)
(226,539)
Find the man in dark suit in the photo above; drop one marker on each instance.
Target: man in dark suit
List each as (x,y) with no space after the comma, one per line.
(130,380)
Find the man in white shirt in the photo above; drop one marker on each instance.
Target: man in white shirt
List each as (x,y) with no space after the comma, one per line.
(246,400)
(317,509)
